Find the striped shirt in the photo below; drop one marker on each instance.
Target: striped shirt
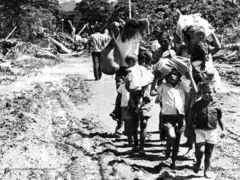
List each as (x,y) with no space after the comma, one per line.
(99,41)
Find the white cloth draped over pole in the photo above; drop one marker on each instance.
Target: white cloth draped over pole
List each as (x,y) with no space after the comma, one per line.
(130,9)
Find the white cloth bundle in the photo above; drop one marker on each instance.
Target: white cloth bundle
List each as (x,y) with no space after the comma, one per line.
(139,77)
(166,65)
(185,21)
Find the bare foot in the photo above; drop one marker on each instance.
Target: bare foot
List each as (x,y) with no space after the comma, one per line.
(167,161)
(190,154)
(207,175)
(172,166)
(196,168)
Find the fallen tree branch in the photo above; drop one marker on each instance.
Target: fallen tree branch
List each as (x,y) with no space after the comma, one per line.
(60,45)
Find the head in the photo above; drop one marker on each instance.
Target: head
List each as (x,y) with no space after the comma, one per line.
(120,80)
(164,40)
(106,32)
(131,60)
(97,28)
(130,28)
(197,34)
(208,76)
(144,58)
(85,35)
(173,77)
(207,91)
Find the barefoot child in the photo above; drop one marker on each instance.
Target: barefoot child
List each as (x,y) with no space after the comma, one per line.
(205,115)
(137,83)
(124,95)
(172,95)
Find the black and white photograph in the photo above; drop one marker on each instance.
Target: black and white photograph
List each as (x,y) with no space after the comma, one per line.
(119,89)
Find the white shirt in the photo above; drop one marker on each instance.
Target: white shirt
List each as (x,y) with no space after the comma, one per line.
(172,98)
(139,76)
(124,95)
(129,46)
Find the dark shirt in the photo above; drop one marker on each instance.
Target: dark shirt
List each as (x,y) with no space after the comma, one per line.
(156,55)
(199,51)
(206,114)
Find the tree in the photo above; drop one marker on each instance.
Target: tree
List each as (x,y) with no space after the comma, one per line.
(26,15)
(93,11)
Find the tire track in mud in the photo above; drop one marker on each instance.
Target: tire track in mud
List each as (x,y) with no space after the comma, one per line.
(55,120)
(80,146)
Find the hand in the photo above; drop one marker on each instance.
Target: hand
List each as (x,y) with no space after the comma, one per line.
(137,110)
(222,134)
(182,129)
(202,68)
(186,132)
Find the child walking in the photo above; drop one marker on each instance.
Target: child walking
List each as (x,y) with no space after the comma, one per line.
(172,95)
(205,115)
(125,118)
(137,84)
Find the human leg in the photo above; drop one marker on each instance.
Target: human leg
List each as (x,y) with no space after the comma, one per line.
(143,133)
(119,125)
(199,154)
(99,66)
(116,113)
(170,133)
(161,130)
(176,143)
(134,125)
(95,69)
(129,132)
(208,155)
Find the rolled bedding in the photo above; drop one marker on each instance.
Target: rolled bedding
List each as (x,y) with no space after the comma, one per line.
(166,65)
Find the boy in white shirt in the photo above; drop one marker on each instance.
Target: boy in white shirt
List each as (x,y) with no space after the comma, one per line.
(172,95)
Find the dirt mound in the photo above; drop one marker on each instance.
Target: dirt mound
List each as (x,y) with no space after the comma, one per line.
(12,69)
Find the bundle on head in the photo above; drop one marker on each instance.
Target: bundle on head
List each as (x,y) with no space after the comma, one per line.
(198,31)
(166,65)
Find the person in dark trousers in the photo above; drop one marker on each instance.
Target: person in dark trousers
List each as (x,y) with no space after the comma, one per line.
(98,42)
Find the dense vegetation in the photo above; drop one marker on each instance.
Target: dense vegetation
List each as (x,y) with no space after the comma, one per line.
(27,15)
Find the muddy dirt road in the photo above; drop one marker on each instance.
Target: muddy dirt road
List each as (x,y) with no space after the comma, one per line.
(55,124)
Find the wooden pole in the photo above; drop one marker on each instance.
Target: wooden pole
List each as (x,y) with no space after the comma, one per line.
(82,29)
(130,9)
(10,33)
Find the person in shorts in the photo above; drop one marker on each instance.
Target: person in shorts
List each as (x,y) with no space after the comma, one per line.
(139,103)
(171,94)
(206,114)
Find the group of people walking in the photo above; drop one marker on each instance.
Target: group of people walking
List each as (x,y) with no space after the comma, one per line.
(186,106)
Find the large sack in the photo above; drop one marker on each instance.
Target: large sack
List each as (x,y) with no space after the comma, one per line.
(185,21)
(108,57)
(166,65)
